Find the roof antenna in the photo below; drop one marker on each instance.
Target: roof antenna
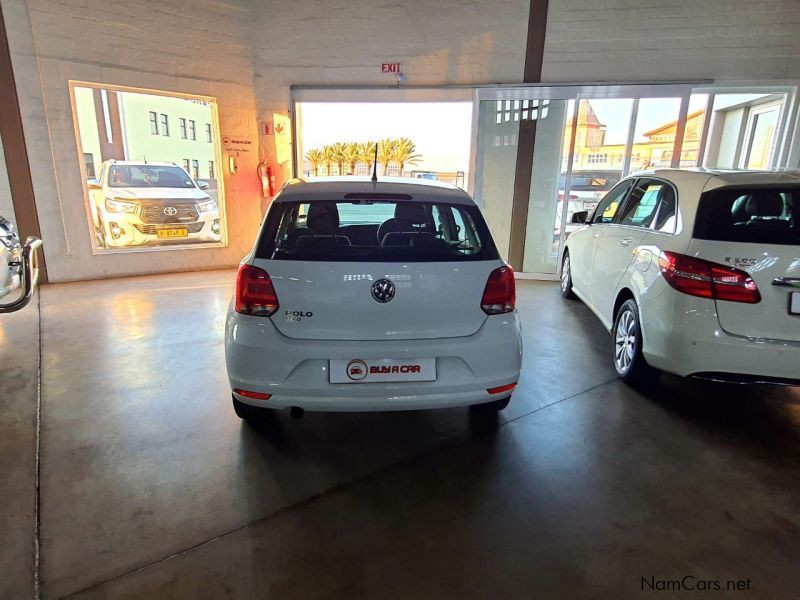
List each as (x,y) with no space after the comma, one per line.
(375,165)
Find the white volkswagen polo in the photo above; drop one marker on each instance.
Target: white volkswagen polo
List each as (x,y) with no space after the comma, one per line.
(695,272)
(362,296)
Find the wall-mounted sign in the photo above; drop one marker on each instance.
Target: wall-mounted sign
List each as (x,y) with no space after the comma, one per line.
(391,68)
(268,128)
(236,143)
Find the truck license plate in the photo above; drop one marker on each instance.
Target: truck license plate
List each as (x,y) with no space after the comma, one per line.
(177,232)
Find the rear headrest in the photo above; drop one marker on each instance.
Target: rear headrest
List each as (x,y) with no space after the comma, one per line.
(410,212)
(764,204)
(323,218)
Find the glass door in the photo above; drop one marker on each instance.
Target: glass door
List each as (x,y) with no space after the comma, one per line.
(546,155)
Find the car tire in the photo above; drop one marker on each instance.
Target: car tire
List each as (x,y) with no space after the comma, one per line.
(566,277)
(626,348)
(493,406)
(251,414)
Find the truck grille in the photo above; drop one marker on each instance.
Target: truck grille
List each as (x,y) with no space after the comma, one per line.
(153,212)
(152,229)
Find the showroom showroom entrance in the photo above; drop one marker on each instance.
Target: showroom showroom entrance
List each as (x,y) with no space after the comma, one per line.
(533,163)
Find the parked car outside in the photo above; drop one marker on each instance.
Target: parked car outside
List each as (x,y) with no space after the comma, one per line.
(154,203)
(696,273)
(586,189)
(362,296)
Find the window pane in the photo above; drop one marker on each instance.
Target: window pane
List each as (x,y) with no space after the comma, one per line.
(375,231)
(607,209)
(757,216)
(123,208)
(640,208)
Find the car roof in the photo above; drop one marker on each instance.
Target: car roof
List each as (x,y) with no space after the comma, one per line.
(715,178)
(335,188)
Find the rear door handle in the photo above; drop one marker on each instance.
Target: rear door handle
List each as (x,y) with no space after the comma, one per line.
(626,241)
(787,281)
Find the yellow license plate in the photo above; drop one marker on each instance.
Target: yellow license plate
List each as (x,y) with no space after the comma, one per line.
(172,233)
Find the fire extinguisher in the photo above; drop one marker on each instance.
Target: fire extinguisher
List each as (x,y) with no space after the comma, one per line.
(267,177)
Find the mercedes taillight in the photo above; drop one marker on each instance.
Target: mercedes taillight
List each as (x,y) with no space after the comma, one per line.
(705,279)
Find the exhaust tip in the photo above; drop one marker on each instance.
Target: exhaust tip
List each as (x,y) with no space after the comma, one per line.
(296,412)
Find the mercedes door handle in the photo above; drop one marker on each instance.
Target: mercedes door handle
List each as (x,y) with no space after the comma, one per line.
(787,281)
(626,241)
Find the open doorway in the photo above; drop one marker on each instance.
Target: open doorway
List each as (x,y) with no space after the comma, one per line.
(420,140)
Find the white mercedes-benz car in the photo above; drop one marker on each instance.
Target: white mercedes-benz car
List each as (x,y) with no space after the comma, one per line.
(695,272)
(362,296)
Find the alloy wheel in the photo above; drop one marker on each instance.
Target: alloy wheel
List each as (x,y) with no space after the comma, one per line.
(565,274)
(625,341)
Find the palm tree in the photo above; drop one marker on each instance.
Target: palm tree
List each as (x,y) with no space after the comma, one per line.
(338,155)
(327,158)
(405,153)
(316,157)
(366,154)
(386,153)
(351,156)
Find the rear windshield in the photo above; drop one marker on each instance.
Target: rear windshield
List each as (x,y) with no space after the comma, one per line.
(375,231)
(762,215)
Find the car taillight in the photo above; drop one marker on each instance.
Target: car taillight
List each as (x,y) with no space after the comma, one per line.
(706,279)
(500,294)
(255,294)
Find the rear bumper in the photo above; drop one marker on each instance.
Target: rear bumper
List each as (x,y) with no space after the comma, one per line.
(295,372)
(682,336)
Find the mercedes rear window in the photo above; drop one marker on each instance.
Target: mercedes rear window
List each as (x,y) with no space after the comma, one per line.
(369,230)
(762,215)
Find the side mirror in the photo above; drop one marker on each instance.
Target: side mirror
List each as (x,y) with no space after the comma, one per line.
(93,184)
(580,216)
(203,185)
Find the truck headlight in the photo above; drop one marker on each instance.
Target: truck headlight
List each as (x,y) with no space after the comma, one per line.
(206,205)
(120,206)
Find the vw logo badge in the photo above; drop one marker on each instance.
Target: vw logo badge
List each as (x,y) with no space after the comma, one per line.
(356,370)
(383,290)
(170,211)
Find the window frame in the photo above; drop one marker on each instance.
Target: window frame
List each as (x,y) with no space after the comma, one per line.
(164,122)
(153,122)
(182,127)
(192,130)
(209,134)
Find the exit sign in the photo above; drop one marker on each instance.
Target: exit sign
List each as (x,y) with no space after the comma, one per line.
(390,68)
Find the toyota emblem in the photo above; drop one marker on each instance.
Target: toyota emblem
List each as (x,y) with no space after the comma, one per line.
(383,290)
(170,211)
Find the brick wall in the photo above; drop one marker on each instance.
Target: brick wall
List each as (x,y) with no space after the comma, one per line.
(627,40)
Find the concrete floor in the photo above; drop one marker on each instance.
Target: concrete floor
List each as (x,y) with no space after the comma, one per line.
(151,487)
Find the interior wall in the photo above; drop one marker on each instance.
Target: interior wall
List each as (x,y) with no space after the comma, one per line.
(649,40)
(247,56)
(151,45)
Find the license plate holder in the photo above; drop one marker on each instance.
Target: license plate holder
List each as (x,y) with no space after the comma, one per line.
(381,370)
(794,303)
(172,232)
